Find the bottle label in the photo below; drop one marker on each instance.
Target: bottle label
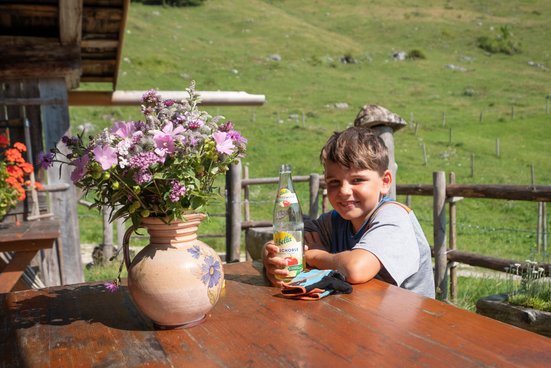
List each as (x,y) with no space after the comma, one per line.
(291,249)
(285,198)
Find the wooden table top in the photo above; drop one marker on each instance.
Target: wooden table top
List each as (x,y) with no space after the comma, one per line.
(377,325)
(23,235)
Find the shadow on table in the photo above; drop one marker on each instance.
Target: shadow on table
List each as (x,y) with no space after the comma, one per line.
(87,303)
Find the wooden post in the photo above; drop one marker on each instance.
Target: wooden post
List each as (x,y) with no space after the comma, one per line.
(55,124)
(387,135)
(453,241)
(233,213)
(424,154)
(539,229)
(121,229)
(314,185)
(544,229)
(480,117)
(107,245)
(246,190)
(498,153)
(416,128)
(439,232)
(408,200)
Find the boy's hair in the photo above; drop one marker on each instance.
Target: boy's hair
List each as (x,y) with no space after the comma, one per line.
(356,147)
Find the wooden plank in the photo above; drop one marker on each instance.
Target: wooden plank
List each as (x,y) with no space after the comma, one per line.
(55,120)
(100,44)
(122,26)
(70,21)
(14,270)
(251,326)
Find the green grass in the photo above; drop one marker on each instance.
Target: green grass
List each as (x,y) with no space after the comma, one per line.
(226,45)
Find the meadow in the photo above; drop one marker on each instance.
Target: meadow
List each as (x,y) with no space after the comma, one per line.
(318,62)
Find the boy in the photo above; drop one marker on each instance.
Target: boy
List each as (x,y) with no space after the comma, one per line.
(366,235)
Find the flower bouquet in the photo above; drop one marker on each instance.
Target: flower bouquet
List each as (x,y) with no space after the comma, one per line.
(164,166)
(160,172)
(14,172)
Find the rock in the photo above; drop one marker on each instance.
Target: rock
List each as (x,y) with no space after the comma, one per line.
(400,55)
(456,68)
(275,57)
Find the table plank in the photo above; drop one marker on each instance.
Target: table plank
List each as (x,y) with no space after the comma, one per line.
(12,272)
(252,325)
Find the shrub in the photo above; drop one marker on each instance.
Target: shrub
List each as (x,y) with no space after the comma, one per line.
(416,54)
(504,42)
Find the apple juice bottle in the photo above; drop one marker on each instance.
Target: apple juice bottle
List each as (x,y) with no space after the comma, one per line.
(288,224)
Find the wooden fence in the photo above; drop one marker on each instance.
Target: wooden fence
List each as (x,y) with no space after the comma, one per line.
(444,194)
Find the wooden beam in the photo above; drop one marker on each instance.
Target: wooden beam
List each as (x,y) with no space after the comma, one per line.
(32,57)
(133,98)
(121,42)
(70,22)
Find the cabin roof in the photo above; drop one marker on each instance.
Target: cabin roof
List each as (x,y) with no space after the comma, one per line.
(79,40)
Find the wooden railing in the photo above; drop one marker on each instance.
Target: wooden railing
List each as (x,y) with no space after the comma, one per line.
(444,248)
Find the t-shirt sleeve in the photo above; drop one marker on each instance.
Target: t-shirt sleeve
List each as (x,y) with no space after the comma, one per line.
(322,226)
(391,238)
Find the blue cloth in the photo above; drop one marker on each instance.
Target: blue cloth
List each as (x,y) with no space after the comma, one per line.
(343,237)
(316,284)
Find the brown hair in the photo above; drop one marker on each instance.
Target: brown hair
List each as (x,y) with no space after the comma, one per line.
(356,147)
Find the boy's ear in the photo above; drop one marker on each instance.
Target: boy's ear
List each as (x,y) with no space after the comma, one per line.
(387,182)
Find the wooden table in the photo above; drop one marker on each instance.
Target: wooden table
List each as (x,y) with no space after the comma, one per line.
(25,239)
(377,325)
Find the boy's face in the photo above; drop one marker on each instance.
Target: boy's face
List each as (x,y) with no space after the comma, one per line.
(354,193)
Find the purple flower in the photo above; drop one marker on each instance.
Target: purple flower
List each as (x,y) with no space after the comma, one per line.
(224,143)
(168,103)
(80,168)
(144,160)
(177,191)
(142,177)
(236,136)
(195,251)
(46,160)
(211,272)
(111,286)
(226,127)
(195,124)
(123,129)
(106,156)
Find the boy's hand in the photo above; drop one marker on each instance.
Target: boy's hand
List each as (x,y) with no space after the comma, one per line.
(273,264)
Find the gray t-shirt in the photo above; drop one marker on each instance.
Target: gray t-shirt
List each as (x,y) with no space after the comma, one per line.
(393,235)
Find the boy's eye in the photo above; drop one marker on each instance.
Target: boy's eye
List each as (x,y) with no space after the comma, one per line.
(333,183)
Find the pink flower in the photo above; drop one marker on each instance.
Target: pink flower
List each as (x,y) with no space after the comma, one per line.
(164,139)
(123,129)
(106,156)
(224,143)
(80,168)
(111,286)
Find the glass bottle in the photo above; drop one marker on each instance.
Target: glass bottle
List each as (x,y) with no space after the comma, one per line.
(288,224)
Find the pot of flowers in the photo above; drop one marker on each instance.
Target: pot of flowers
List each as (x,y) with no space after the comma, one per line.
(527,304)
(160,173)
(14,173)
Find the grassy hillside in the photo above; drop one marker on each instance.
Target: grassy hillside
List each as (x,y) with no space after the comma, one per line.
(458,91)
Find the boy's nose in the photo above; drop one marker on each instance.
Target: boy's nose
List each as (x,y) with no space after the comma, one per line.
(346,189)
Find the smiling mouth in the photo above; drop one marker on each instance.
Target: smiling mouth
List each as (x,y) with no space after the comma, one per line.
(348,204)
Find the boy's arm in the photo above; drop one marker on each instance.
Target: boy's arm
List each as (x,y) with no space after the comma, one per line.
(357,265)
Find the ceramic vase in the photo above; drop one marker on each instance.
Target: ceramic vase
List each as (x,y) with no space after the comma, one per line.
(176,279)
